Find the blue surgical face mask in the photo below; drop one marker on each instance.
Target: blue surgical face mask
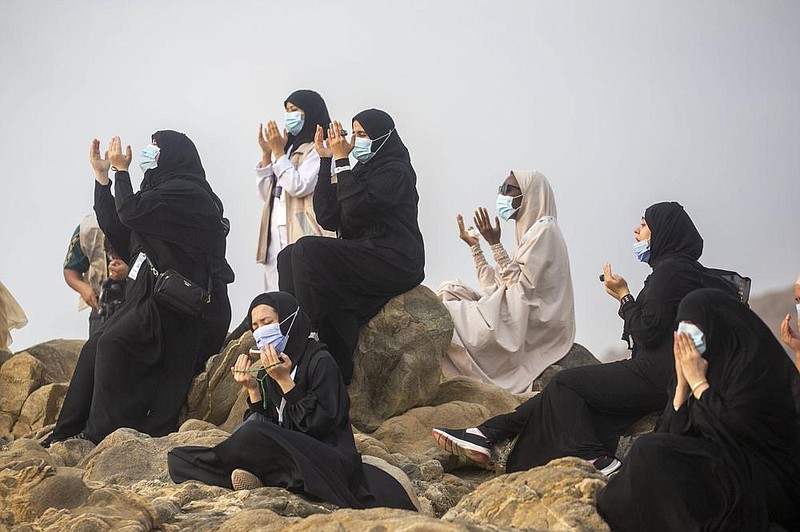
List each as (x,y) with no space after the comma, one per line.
(271,334)
(642,250)
(147,159)
(293,122)
(696,335)
(362,150)
(504,206)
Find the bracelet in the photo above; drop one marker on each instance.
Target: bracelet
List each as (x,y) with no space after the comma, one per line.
(338,169)
(699,384)
(627,298)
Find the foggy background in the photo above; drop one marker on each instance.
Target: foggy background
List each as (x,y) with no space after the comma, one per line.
(619,103)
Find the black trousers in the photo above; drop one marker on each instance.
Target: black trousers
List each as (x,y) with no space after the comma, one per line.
(581,412)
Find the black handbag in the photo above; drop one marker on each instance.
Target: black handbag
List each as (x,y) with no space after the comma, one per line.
(176,292)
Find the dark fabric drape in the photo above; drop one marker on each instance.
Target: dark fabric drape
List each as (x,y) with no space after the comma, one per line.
(732,456)
(143,362)
(312,450)
(316,113)
(583,411)
(342,283)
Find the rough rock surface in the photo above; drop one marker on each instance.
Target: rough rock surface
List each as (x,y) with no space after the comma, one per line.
(41,408)
(398,361)
(20,376)
(213,392)
(58,356)
(558,496)
(577,356)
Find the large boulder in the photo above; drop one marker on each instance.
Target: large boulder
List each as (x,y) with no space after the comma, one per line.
(214,392)
(127,456)
(558,496)
(41,408)
(495,399)
(21,375)
(398,361)
(59,358)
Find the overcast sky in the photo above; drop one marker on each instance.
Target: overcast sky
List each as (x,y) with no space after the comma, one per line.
(619,103)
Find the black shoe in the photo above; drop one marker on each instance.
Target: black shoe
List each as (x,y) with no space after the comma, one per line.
(50,440)
(607,465)
(459,442)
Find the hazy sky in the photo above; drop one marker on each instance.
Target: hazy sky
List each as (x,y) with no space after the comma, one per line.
(619,103)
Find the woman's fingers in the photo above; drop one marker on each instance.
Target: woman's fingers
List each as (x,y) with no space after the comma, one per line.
(460,222)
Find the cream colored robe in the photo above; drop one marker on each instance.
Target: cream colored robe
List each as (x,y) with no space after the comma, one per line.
(92,242)
(11,317)
(524,319)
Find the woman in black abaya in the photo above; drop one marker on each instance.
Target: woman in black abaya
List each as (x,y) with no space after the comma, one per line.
(342,283)
(138,371)
(296,433)
(583,411)
(727,453)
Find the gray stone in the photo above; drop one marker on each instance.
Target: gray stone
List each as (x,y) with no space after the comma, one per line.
(398,362)
(576,357)
(59,358)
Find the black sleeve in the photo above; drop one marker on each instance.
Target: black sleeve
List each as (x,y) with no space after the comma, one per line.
(116,232)
(649,319)
(326,206)
(371,197)
(317,409)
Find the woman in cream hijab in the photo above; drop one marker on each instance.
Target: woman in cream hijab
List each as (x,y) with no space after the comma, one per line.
(523,319)
(11,317)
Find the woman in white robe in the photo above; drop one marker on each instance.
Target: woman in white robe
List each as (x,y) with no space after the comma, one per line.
(523,320)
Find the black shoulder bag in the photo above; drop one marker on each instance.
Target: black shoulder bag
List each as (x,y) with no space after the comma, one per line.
(176,292)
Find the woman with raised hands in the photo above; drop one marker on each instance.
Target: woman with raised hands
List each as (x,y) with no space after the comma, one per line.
(372,206)
(726,455)
(138,371)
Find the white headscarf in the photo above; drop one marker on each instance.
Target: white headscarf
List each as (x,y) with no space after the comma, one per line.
(511,335)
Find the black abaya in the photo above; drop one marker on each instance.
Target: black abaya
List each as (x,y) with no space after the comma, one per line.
(311,450)
(583,411)
(729,460)
(142,364)
(342,283)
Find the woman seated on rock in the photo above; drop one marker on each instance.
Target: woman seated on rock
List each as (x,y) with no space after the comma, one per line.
(583,411)
(296,433)
(342,283)
(525,318)
(138,372)
(727,453)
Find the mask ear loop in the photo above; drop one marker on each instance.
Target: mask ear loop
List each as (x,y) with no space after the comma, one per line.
(387,135)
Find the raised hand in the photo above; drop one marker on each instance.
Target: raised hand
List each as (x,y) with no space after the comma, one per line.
(484,224)
(464,233)
(337,141)
(278,367)
(788,335)
(242,373)
(99,164)
(682,390)
(120,161)
(692,363)
(319,144)
(616,285)
(266,151)
(276,140)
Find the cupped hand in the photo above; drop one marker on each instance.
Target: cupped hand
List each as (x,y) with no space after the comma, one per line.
(692,363)
(100,165)
(276,139)
(463,233)
(484,224)
(262,141)
(319,144)
(242,374)
(117,269)
(616,285)
(120,161)
(337,141)
(278,366)
(682,389)
(788,335)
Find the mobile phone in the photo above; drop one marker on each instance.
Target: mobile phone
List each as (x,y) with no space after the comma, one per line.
(602,278)
(255,352)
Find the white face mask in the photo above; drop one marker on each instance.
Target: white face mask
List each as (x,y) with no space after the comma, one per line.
(797,306)
(695,334)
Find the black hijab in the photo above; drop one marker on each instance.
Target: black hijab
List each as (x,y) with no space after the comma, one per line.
(316,113)
(177,159)
(751,410)
(297,328)
(673,232)
(387,150)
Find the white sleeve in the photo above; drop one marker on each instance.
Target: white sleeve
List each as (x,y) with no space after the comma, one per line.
(299,181)
(263,175)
